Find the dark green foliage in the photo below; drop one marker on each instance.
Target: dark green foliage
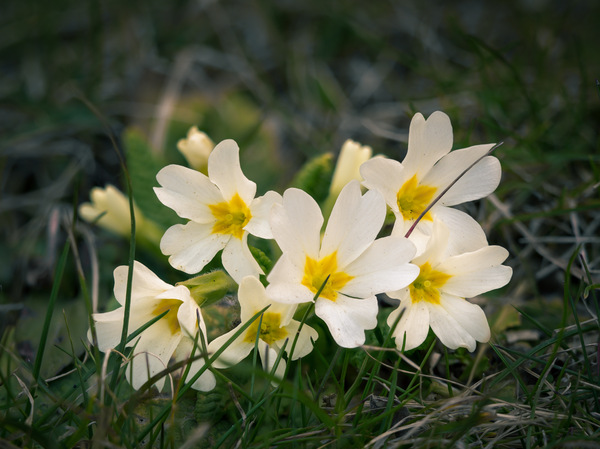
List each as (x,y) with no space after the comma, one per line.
(315,176)
(143,165)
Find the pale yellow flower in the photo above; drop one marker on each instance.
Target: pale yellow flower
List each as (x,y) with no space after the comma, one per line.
(109,208)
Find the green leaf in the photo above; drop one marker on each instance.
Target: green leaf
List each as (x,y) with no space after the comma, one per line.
(143,166)
(315,176)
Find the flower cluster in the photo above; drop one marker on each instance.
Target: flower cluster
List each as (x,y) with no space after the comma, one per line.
(433,260)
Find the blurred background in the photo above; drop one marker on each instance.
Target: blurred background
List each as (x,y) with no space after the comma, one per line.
(82,82)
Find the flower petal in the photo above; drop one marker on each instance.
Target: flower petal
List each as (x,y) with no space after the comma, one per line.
(348,318)
(386,176)
(289,292)
(234,353)
(382,267)
(189,314)
(191,246)
(465,233)
(478,182)
(108,326)
(469,316)
(253,298)
(448,330)
(145,284)
(413,325)
(260,209)
(476,272)
(354,223)
(238,260)
(296,226)
(206,381)
(304,343)
(187,192)
(428,141)
(225,171)
(152,353)
(268,357)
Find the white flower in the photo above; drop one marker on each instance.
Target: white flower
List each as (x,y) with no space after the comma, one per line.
(277,331)
(356,266)
(222,211)
(196,148)
(428,168)
(437,297)
(173,334)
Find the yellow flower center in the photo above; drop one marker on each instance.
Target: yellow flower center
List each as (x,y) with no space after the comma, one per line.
(316,271)
(231,217)
(172,305)
(270,329)
(427,285)
(413,199)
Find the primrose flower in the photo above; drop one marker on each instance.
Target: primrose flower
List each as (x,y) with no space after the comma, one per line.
(428,168)
(222,211)
(437,296)
(172,335)
(353,265)
(196,148)
(277,331)
(109,208)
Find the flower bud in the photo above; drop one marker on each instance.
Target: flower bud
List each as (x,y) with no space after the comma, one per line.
(351,157)
(196,148)
(109,208)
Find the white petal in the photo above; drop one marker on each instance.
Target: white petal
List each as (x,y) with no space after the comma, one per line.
(428,141)
(261,212)
(436,249)
(187,192)
(152,353)
(108,326)
(469,316)
(385,175)
(413,325)
(285,271)
(225,171)
(253,298)
(354,223)
(234,353)
(304,344)
(419,236)
(289,293)
(448,330)
(188,315)
(238,260)
(296,226)
(206,381)
(403,294)
(268,357)
(191,246)
(382,267)
(348,318)
(465,233)
(482,278)
(478,182)
(145,284)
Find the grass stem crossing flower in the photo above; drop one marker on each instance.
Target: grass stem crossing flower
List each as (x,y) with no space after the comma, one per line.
(428,168)
(436,298)
(172,335)
(276,331)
